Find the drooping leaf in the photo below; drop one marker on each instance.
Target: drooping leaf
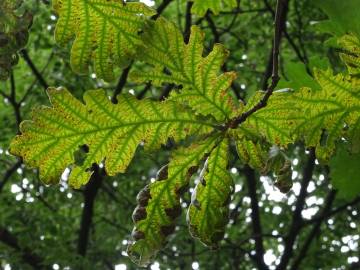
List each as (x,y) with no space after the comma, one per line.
(173,61)
(159,203)
(109,132)
(200,7)
(345,173)
(251,153)
(208,212)
(106,32)
(13,34)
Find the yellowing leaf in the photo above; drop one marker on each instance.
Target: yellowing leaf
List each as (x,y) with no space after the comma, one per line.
(173,61)
(159,203)
(111,133)
(200,7)
(208,212)
(106,32)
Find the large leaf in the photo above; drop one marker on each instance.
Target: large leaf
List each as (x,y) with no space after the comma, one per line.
(106,32)
(13,34)
(200,7)
(182,64)
(109,133)
(208,212)
(159,202)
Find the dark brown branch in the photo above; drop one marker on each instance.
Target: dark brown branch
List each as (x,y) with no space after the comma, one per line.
(188,21)
(9,173)
(280,19)
(26,253)
(314,231)
(161,8)
(33,68)
(297,221)
(255,217)
(121,84)
(335,211)
(90,193)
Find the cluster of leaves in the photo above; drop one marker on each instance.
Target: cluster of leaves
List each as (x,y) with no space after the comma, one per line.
(196,117)
(13,34)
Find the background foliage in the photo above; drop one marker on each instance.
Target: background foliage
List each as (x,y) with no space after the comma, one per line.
(57,227)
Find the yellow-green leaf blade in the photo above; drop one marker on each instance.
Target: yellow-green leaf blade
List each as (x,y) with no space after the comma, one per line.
(208,212)
(159,203)
(106,32)
(110,131)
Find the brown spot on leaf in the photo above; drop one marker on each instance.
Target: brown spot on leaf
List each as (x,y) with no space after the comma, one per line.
(137,235)
(144,196)
(167,230)
(139,214)
(174,212)
(162,173)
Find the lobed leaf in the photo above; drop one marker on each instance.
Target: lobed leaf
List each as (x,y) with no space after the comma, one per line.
(109,133)
(173,61)
(159,202)
(106,32)
(208,212)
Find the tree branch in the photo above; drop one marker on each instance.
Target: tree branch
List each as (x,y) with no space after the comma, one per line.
(255,217)
(314,231)
(33,68)
(280,18)
(297,220)
(90,193)
(26,253)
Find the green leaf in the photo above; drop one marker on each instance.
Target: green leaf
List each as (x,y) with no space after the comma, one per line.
(344,16)
(200,7)
(13,34)
(173,61)
(106,32)
(345,171)
(319,117)
(208,212)
(159,203)
(109,132)
(276,122)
